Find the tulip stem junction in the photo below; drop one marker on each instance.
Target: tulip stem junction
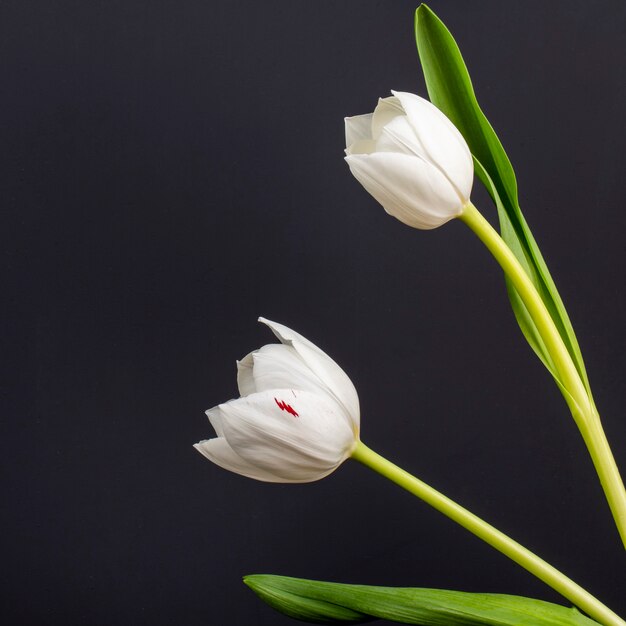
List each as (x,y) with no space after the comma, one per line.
(569,380)
(498,540)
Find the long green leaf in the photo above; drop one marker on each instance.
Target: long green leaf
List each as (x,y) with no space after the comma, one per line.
(332,603)
(524,319)
(450,89)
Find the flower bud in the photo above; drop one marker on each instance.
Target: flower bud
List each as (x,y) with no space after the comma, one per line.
(412,159)
(297,418)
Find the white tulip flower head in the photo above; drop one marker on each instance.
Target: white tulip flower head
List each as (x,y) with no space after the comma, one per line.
(412,159)
(297,418)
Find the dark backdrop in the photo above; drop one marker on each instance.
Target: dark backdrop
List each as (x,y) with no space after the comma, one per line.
(172,170)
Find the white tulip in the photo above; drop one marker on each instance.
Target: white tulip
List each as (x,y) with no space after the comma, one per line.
(297,418)
(412,159)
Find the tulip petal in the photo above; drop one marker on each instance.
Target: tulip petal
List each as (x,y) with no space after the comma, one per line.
(295,435)
(279,366)
(409,188)
(358,128)
(441,142)
(329,373)
(216,419)
(364,146)
(398,136)
(386,110)
(219,451)
(245,379)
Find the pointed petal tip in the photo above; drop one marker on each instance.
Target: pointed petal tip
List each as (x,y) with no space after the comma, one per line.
(275,327)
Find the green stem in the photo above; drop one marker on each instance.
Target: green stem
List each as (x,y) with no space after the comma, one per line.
(515,551)
(578,399)
(566,369)
(608,472)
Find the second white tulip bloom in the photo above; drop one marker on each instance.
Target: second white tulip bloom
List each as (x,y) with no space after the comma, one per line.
(412,159)
(297,418)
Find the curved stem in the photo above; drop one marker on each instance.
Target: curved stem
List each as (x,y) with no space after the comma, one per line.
(582,407)
(608,472)
(543,320)
(515,551)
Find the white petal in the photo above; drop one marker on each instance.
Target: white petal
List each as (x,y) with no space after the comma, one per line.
(279,366)
(398,136)
(297,436)
(358,128)
(215,417)
(386,110)
(329,373)
(218,451)
(245,380)
(365,146)
(409,188)
(440,141)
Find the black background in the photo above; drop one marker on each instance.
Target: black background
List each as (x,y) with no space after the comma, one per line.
(172,170)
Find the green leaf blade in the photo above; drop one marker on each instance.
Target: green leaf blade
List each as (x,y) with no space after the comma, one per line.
(519,308)
(451,90)
(287,596)
(427,607)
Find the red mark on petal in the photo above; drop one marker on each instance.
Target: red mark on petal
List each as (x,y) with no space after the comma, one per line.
(283,406)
